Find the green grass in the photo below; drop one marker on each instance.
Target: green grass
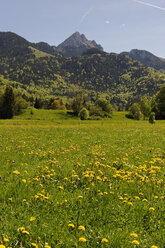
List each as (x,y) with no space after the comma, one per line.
(107,176)
(38,53)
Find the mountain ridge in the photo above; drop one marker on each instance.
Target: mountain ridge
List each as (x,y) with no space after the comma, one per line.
(146,58)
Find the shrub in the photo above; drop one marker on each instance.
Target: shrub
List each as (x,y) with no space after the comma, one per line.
(152,118)
(135,112)
(84,114)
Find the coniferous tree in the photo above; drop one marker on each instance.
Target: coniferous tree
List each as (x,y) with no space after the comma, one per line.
(7,107)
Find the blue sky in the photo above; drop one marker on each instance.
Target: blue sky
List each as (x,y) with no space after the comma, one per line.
(118,25)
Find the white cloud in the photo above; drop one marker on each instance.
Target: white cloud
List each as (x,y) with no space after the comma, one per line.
(149,4)
(122,25)
(107,22)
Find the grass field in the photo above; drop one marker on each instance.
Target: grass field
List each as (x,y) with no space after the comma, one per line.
(71,183)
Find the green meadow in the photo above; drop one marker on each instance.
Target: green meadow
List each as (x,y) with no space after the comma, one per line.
(70,183)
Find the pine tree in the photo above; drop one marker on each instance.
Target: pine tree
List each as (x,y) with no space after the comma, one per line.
(7,108)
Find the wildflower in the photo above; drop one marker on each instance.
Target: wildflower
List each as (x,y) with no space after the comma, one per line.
(130,203)
(145,200)
(135,242)
(32,218)
(151,209)
(25,232)
(154,246)
(71,225)
(16,172)
(5,239)
(81,228)
(133,235)
(82,239)
(34,245)
(60,187)
(24,180)
(80,197)
(2,246)
(104,240)
(21,229)
(47,246)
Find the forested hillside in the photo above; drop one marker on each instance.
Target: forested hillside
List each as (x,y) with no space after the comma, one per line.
(118,77)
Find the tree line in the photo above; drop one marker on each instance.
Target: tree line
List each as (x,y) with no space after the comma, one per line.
(147,108)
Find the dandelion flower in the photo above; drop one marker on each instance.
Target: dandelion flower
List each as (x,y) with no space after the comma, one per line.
(47,246)
(32,218)
(82,239)
(25,232)
(135,242)
(71,225)
(81,228)
(24,180)
(151,209)
(60,187)
(2,246)
(133,235)
(154,246)
(21,229)
(5,240)
(34,245)
(104,240)
(80,197)
(16,172)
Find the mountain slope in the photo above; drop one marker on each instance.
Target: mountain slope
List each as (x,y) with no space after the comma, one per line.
(13,45)
(77,44)
(45,47)
(115,76)
(146,58)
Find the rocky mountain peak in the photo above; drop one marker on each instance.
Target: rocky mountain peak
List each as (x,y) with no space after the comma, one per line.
(77,44)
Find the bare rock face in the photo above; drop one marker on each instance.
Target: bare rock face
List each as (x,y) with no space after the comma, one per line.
(146,58)
(77,44)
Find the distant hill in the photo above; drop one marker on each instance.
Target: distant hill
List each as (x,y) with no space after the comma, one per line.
(146,58)
(41,70)
(77,44)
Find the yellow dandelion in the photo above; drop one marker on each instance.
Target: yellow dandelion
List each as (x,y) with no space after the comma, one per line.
(133,235)
(25,232)
(47,246)
(82,239)
(21,229)
(154,246)
(2,246)
(151,209)
(16,172)
(135,242)
(104,240)
(71,225)
(34,245)
(5,239)
(80,197)
(81,228)
(60,187)
(32,218)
